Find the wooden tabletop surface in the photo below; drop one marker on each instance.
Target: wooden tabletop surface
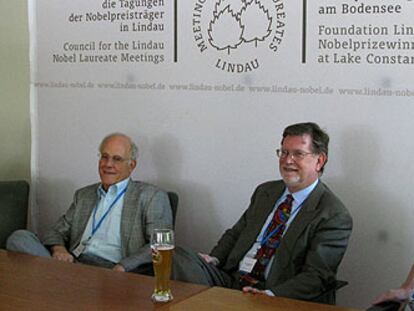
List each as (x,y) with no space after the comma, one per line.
(35,283)
(223,299)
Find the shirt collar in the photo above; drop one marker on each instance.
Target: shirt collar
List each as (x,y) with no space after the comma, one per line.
(300,195)
(115,188)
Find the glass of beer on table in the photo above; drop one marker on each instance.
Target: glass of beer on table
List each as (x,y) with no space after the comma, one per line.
(162,248)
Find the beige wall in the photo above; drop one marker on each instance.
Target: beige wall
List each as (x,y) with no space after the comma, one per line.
(14,91)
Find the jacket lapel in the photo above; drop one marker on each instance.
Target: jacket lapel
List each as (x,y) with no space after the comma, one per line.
(88,205)
(265,208)
(129,211)
(265,205)
(301,221)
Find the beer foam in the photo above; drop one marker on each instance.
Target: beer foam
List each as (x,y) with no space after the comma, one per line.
(163,247)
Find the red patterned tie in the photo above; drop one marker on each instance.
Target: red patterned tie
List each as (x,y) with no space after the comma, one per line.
(272,238)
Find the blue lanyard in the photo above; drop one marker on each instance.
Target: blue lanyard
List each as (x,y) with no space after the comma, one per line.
(95,226)
(265,237)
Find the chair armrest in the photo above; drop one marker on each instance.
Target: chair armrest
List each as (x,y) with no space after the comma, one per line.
(387,306)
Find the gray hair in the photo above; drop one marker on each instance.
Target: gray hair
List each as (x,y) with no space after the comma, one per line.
(320,139)
(133,148)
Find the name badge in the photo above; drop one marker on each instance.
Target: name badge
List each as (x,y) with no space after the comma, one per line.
(247,264)
(79,249)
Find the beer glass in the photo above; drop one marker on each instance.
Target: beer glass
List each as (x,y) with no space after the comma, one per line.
(162,247)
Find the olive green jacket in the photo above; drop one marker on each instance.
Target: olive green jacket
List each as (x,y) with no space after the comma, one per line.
(306,262)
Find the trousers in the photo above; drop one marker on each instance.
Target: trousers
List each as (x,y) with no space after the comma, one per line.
(25,241)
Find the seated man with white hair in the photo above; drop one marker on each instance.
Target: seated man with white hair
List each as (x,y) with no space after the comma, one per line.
(109,223)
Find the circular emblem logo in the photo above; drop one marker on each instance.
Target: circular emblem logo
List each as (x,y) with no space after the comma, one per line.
(238,32)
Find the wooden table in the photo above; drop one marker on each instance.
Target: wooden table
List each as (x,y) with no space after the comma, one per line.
(222,299)
(35,283)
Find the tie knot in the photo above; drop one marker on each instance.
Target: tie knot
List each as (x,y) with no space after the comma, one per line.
(286,206)
(289,199)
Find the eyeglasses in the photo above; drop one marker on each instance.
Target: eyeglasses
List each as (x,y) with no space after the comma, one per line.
(116,159)
(296,154)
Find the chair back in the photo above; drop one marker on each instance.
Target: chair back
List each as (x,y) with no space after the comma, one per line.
(173,197)
(14,199)
(329,296)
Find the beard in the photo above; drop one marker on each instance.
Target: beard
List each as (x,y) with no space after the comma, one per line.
(291,180)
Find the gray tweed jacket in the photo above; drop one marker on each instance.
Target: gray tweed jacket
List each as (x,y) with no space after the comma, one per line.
(145,207)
